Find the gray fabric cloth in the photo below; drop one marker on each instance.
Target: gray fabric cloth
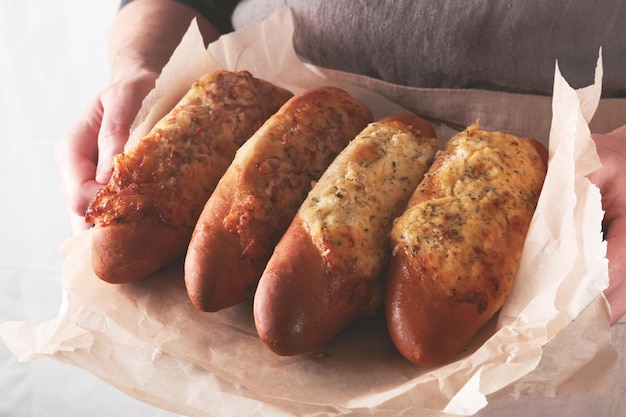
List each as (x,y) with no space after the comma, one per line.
(480,44)
(218,12)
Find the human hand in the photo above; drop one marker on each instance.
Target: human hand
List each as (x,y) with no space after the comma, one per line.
(611,179)
(84,156)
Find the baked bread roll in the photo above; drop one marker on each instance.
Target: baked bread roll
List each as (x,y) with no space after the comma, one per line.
(145,215)
(261,191)
(456,248)
(326,270)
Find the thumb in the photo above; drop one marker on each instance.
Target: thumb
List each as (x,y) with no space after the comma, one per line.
(616,253)
(113,135)
(121,103)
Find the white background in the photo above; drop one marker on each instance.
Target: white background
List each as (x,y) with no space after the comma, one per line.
(53,61)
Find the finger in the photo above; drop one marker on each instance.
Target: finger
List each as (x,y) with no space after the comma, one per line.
(612,183)
(112,137)
(77,224)
(121,106)
(76,156)
(76,216)
(616,253)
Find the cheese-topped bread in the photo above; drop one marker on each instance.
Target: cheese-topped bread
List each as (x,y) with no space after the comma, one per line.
(145,215)
(458,244)
(261,191)
(326,270)
(349,212)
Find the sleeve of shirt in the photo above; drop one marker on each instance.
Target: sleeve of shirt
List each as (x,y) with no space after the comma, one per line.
(218,12)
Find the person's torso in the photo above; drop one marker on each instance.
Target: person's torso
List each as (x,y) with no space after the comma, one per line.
(483,44)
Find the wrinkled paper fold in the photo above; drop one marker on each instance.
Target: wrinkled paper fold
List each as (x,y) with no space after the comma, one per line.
(147,340)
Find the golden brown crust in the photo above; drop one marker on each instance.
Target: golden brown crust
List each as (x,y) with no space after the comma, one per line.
(158,188)
(422,126)
(458,244)
(325,272)
(297,306)
(426,326)
(261,191)
(114,244)
(215,252)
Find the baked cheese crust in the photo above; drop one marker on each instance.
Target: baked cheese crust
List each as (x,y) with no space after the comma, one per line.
(168,176)
(349,213)
(467,221)
(286,155)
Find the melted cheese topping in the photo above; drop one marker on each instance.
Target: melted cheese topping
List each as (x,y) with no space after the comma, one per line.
(350,210)
(276,167)
(468,219)
(168,176)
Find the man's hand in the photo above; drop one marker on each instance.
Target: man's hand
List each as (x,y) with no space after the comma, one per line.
(611,179)
(85,154)
(142,37)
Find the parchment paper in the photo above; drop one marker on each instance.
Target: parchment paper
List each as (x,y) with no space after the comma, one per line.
(148,340)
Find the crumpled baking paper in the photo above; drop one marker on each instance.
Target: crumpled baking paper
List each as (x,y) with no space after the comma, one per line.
(551,337)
